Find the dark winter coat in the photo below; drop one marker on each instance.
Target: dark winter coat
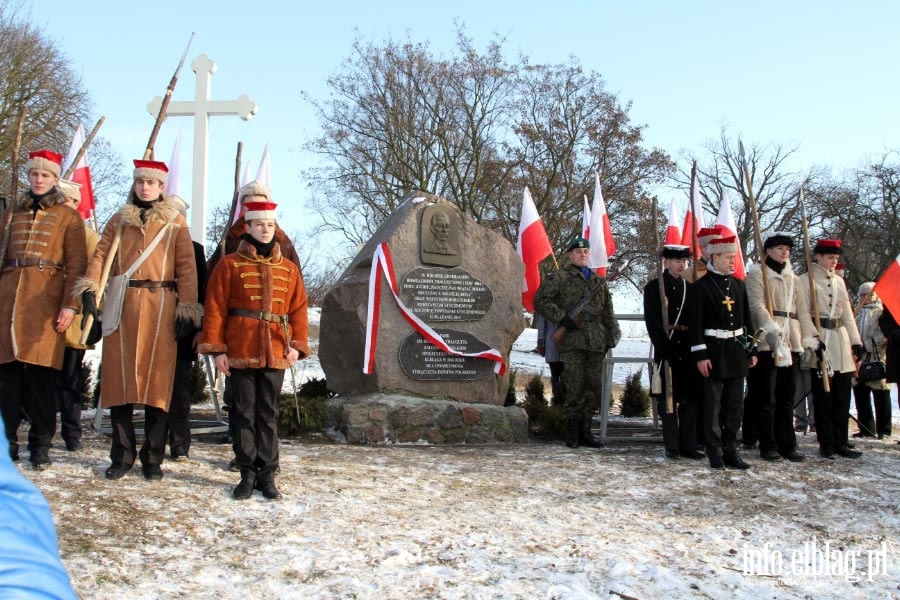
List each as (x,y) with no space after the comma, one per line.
(891,331)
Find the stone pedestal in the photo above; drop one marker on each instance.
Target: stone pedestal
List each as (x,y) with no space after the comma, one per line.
(395,418)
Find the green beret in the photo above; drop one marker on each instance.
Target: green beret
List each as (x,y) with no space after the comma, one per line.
(578,242)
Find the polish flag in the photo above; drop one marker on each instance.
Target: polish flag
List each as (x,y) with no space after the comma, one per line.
(726,221)
(586,220)
(600,236)
(693,220)
(533,246)
(81,175)
(673,231)
(888,288)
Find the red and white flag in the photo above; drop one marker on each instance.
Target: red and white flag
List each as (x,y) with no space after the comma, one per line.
(673,230)
(600,236)
(888,288)
(81,175)
(586,220)
(533,246)
(726,220)
(693,220)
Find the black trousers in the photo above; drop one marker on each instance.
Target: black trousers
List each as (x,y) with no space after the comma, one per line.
(32,389)
(179,422)
(680,427)
(70,393)
(769,410)
(723,401)
(871,424)
(124,443)
(556,383)
(832,411)
(255,399)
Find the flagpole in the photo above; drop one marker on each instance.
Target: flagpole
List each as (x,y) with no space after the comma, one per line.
(695,246)
(81,151)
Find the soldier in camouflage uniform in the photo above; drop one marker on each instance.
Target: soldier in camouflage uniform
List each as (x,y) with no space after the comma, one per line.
(589,335)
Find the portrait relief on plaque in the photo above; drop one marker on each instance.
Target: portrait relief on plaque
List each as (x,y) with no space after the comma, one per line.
(439,236)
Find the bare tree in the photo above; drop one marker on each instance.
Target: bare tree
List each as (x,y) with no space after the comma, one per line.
(476,128)
(775,186)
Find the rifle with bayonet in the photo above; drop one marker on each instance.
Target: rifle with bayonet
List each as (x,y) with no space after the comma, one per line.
(665,366)
(148,153)
(575,314)
(813,293)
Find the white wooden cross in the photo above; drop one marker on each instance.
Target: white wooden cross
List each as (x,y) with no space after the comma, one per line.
(202,108)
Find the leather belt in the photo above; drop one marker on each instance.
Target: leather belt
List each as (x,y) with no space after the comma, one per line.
(147,283)
(723,334)
(40,263)
(781,313)
(830,323)
(678,327)
(260,315)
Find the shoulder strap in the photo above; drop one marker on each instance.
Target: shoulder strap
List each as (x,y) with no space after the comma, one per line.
(150,248)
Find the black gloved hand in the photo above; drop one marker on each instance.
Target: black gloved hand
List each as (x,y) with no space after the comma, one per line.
(568,323)
(89,307)
(858,351)
(184,328)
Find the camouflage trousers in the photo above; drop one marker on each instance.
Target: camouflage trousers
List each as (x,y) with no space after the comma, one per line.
(583,379)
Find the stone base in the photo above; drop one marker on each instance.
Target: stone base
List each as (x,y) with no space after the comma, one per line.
(394,418)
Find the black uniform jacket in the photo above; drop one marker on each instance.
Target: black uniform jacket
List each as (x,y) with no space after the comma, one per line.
(678,348)
(709,301)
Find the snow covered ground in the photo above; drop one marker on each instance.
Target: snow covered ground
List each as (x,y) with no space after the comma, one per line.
(525,521)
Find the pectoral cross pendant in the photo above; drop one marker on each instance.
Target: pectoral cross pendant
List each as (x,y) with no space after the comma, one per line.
(728,302)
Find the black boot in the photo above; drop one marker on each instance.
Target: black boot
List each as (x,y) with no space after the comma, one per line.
(734,460)
(244,489)
(715,457)
(587,438)
(266,485)
(573,430)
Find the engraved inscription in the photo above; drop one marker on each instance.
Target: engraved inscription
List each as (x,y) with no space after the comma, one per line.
(445,295)
(421,360)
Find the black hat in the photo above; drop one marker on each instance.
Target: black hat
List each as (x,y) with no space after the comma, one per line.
(675,251)
(578,242)
(779,238)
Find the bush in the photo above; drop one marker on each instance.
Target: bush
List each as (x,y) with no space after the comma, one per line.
(199,393)
(635,400)
(544,421)
(510,399)
(87,384)
(312,410)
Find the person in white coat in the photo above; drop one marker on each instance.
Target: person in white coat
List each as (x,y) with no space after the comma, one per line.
(840,343)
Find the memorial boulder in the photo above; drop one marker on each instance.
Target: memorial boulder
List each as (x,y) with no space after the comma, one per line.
(459,278)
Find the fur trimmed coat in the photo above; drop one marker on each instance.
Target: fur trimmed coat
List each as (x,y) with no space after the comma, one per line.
(793,328)
(31,297)
(834,303)
(139,357)
(248,281)
(73,333)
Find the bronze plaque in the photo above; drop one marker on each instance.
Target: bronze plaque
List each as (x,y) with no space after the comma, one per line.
(421,360)
(445,294)
(439,236)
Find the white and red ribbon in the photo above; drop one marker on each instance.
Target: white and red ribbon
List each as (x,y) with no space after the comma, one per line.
(382,264)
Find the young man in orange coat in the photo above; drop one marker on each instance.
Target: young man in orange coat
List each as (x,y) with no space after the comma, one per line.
(256,327)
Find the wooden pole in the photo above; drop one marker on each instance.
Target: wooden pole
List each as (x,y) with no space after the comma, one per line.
(13,188)
(664,365)
(813,294)
(148,152)
(757,233)
(83,149)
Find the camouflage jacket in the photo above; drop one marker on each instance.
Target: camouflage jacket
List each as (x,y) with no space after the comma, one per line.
(561,291)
